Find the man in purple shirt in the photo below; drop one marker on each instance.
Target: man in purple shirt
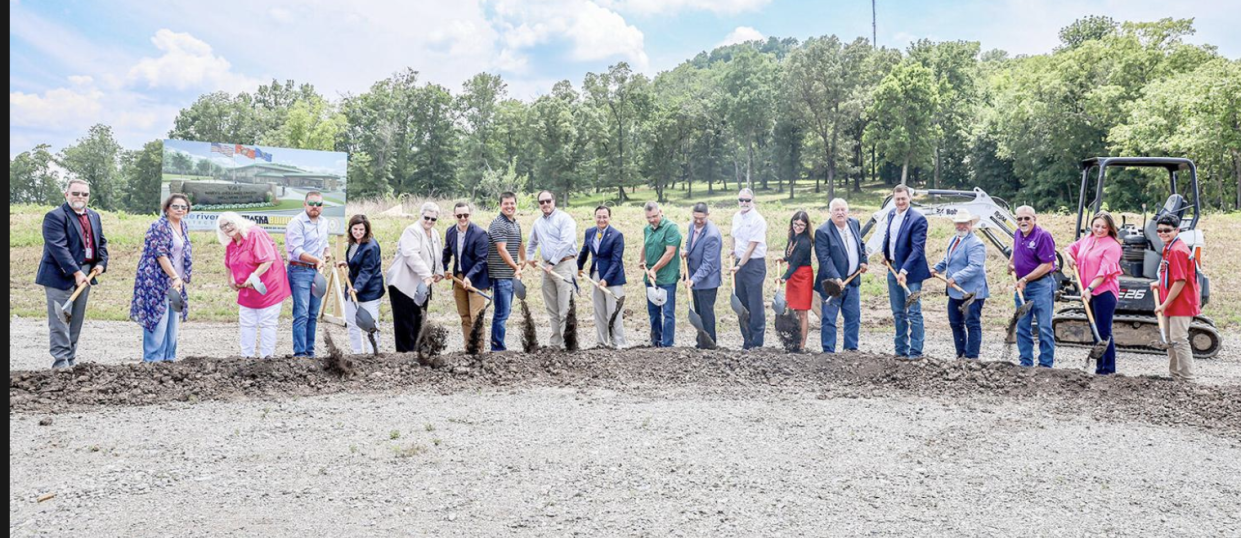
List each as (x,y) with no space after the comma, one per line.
(1034,258)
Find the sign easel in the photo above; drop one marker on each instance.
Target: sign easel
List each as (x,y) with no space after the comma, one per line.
(334,300)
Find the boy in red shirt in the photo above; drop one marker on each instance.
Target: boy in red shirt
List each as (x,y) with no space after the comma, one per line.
(1177,287)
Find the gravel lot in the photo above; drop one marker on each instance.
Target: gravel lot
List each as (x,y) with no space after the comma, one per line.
(604,443)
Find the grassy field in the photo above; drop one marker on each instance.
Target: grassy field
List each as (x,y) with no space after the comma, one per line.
(210,298)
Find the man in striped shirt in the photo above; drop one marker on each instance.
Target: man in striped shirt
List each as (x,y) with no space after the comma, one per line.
(504,262)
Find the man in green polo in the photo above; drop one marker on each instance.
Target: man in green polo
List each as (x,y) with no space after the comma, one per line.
(661,240)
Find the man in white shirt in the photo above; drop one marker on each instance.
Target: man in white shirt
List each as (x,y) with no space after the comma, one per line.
(554,236)
(306,240)
(749,234)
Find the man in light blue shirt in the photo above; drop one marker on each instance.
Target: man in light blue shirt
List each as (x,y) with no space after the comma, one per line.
(306,240)
(554,236)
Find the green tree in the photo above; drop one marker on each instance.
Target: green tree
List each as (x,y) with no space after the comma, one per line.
(142,172)
(479,107)
(32,178)
(749,81)
(94,158)
(902,116)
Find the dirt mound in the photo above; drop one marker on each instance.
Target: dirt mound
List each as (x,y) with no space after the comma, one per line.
(724,372)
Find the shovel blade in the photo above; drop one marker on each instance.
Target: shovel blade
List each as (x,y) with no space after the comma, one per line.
(319,286)
(969,301)
(519,289)
(364,319)
(779,304)
(831,288)
(913,298)
(1097,351)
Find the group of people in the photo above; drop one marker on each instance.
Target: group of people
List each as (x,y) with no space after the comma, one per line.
(491,260)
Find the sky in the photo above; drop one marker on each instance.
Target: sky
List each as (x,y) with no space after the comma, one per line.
(133,64)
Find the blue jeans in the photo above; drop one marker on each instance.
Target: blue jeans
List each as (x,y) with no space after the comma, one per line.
(1042,294)
(502,299)
(966,328)
(664,318)
(305,310)
(750,290)
(850,304)
(1103,306)
(909,330)
(160,344)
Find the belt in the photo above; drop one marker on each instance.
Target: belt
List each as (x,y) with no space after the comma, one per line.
(562,260)
(301,264)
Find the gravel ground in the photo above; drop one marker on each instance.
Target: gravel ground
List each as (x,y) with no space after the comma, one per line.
(600,442)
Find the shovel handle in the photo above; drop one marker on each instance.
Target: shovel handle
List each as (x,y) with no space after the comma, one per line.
(851,277)
(954,286)
(1020,294)
(894,273)
(1089,313)
(89,276)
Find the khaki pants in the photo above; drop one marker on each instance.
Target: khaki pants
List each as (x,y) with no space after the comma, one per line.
(1180,355)
(556,299)
(469,304)
(604,306)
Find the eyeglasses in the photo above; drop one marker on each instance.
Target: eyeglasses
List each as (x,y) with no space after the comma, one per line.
(1166,230)
(227,227)
(544,202)
(1023,219)
(744,200)
(314,204)
(463,215)
(178,206)
(429,219)
(80,193)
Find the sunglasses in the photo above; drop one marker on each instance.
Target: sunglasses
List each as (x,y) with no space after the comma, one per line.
(178,206)
(315,204)
(744,200)
(544,202)
(429,219)
(1023,219)
(1166,230)
(79,193)
(463,215)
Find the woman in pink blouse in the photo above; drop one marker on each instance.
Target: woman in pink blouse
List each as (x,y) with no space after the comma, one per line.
(1096,257)
(255,271)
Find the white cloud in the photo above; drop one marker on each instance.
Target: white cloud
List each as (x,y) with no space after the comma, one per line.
(593,32)
(187,63)
(55,109)
(740,35)
(665,7)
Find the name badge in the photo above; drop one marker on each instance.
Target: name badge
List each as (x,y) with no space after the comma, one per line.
(90,253)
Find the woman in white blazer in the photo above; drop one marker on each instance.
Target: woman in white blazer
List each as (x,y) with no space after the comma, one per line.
(418,261)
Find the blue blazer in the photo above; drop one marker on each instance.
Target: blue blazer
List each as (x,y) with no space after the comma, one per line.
(64,247)
(473,262)
(608,260)
(910,252)
(703,256)
(366,271)
(829,248)
(967,266)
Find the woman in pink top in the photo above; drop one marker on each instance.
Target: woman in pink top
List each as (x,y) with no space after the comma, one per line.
(1096,258)
(255,272)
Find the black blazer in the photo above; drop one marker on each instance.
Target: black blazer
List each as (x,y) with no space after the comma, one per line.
(64,247)
(473,262)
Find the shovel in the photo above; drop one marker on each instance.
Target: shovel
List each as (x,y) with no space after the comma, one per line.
(694,318)
(743,313)
(911,297)
(656,295)
(620,301)
(1163,332)
(318,287)
(474,345)
(519,288)
(547,269)
(362,318)
(969,297)
(175,301)
(1100,346)
(1021,312)
(66,311)
(829,285)
(779,303)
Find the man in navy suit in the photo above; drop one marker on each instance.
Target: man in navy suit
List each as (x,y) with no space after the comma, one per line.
(702,259)
(74,251)
(838,245)
(605,246)
(904,247)
(465,254)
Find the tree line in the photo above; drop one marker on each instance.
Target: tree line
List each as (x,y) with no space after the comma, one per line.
(771,114)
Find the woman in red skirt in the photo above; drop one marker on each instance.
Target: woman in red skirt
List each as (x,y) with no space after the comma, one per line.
(799,277)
